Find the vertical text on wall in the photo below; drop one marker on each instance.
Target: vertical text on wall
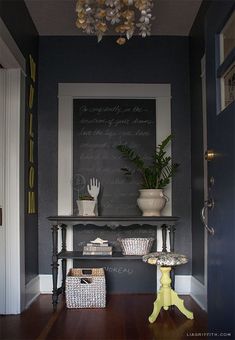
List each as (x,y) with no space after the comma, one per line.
(31,204)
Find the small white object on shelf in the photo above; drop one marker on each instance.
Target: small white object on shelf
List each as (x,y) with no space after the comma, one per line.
(136,246)
(98,247)
(86,207)
(99,240)
(94,188)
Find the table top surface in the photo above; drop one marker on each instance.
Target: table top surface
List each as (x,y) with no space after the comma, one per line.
(112,220)
(109,218)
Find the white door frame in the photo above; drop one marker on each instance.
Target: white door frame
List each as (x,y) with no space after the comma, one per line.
(67,92)
(12,80)
(2,195)
(11,56)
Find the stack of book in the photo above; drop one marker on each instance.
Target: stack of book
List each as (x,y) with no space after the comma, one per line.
(97,247)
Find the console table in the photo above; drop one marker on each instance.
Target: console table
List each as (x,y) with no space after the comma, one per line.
(166,223)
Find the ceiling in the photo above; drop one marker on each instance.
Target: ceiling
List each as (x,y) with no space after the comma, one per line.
(57,17)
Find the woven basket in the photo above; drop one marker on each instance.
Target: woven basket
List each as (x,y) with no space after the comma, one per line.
(85,288)
(136,246)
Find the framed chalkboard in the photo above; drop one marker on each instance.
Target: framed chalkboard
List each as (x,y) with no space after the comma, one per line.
(99,125)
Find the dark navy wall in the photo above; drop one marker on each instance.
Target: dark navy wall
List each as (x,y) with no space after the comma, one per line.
(81,59)
(196,52)
(19,23)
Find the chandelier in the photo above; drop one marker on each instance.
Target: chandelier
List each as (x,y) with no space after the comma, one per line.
(123,17)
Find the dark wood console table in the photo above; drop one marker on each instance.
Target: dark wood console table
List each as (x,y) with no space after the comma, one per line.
(166,223)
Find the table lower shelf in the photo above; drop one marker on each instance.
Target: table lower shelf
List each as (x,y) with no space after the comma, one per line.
(78,256)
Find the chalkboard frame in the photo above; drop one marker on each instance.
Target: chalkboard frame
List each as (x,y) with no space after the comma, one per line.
(67,92)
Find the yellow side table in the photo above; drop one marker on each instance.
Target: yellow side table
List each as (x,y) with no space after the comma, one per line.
(166,296)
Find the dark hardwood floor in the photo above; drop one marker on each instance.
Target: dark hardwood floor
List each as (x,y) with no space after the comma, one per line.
(125,318)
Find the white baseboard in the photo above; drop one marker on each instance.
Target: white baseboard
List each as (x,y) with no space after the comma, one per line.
(182,284)
(45,283)
(199,293)
(32,290)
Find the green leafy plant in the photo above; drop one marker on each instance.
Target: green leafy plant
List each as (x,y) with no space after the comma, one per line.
(86,198)
(157,175)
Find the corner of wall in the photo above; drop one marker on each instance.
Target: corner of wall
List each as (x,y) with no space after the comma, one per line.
(199,293)
(32,291)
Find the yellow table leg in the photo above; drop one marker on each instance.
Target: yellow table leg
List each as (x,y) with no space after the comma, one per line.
(180,304)
(167,297)
(158,304)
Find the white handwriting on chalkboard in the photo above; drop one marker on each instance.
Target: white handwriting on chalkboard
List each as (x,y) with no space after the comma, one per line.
(97,132)
(117,109)
(119,270)
(98,155)
(142,121)
(115,122)
(111,133)
(93,145)
(142,133)
(99,168)
(108,122)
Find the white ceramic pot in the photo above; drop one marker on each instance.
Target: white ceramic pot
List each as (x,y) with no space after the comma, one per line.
(151,201)
(86,207)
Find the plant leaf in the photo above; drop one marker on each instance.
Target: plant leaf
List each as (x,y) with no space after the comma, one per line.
(159,173)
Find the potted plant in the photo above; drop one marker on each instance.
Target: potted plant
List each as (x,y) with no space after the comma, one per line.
(86,205)
(155,177)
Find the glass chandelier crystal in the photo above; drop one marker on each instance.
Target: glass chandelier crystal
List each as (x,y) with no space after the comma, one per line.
(123,17)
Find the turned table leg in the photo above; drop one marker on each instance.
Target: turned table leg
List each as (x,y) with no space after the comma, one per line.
(54,264)
(171,229)
(64,261)
(164,234)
